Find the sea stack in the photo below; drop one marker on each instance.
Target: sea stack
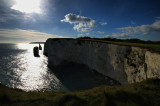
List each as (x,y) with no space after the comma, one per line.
(36,52)
(40,47)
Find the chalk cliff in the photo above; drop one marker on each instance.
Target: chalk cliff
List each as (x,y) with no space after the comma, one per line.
(125,64)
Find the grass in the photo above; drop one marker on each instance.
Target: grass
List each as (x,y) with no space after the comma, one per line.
(153,47)
(150,47)
(144,93)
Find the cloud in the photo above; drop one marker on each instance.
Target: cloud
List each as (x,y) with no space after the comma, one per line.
(86,29)
(133,23)
(158,18)
(81,23)
(20,35)
(107,36)
(7,14)
(121,35)
(11,16)
(3,20)
(82,27)
(80,35)
(72,18)
(87,33)
(103,23)
(100,32)
(31,6)
(143,30)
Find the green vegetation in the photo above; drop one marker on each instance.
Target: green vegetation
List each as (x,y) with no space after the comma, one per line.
(153,46)
(144,93)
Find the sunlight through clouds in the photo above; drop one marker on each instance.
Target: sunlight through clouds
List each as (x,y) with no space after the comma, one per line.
(27,6)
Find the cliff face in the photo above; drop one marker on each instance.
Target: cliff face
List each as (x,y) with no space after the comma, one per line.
(125,64)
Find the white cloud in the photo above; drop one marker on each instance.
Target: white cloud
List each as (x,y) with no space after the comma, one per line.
(79,26)
(87,33)
(143,29)
(20,35)
(86,29)
(107,36)
(103,23)
(80,35)
(27,6)
(81,23)
(121,35)
(100,32)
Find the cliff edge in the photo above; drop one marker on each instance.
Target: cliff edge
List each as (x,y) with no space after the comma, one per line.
(126,64)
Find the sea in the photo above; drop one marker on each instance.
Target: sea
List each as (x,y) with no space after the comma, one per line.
(19,68)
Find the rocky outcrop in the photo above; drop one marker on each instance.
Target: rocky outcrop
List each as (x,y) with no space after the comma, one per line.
(125,64)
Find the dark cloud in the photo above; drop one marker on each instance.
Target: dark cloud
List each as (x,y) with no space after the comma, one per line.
(6,3)
(10,18)
(7,14)
(72,18)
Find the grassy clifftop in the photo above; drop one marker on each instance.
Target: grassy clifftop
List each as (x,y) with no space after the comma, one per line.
(150,45)
(144,93)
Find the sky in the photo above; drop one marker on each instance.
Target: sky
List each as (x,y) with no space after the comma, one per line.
(37,20)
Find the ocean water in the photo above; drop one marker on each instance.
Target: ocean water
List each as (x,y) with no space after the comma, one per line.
(20,69)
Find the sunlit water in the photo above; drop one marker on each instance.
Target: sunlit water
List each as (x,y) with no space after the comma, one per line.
(20,69)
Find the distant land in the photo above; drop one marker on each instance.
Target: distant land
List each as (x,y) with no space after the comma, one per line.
(36,42)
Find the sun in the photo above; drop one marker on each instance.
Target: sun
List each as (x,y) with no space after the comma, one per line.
(27,6)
